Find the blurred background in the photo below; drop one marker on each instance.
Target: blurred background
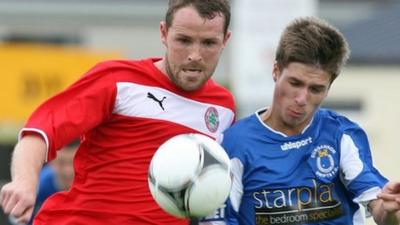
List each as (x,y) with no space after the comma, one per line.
(45,45)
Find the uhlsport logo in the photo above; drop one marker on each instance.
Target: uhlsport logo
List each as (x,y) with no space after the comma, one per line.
(323,156)
(296,145)
(212,120)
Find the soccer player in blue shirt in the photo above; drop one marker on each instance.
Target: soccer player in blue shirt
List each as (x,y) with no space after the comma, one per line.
(297,163)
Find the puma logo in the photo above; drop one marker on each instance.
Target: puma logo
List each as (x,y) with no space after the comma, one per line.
(160,102)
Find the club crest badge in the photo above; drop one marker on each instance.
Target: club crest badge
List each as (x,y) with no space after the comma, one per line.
(211,119)
(324,163)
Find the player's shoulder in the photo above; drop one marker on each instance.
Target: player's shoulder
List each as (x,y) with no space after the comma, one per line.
(212,84)
(238,140)
(211,93)
(340,121)
(112,71)
(217,89)
(123,64)
(243,124)
(241,128)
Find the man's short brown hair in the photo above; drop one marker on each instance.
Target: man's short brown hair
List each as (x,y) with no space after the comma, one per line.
(206,8)
(314,42)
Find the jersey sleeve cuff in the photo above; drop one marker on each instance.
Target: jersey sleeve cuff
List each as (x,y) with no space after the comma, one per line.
(366,197)
(41,133)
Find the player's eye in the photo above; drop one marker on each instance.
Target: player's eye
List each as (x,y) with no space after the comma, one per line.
(317,90)
(184,41)
(209,43)
(294,83)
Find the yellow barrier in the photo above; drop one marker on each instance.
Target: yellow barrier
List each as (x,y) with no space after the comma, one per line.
(30,73)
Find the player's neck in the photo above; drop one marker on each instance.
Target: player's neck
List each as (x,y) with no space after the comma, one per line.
(273,121)
(160,65)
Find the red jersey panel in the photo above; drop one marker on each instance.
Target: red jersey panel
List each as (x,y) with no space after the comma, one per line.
(123,110)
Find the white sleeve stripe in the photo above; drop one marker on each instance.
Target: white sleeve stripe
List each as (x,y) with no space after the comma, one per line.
(351,166)
(237,186)
(350,162)
(42,133)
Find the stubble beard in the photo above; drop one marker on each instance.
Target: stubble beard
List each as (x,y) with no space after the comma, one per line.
(175,78)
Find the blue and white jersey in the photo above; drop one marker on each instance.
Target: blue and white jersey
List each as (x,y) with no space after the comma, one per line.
(318,177)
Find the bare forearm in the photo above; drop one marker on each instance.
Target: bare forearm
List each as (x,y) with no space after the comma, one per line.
(17,198)
(28,159)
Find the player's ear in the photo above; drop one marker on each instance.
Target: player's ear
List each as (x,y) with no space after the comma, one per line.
(163,32)
(227,36)
(275,72)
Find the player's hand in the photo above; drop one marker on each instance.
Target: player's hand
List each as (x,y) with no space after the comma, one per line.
(18,200)
(391,192)
(390,197)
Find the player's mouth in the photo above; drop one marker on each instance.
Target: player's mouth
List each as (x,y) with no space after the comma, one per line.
(192,74)
(296,114)
(192,70)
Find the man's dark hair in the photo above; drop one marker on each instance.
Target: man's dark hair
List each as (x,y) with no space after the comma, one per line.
(313,42)
(207,9)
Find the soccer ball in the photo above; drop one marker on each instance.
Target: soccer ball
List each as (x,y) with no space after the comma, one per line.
(190,176)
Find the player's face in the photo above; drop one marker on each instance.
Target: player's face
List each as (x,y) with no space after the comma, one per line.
(194,45)
(299,91)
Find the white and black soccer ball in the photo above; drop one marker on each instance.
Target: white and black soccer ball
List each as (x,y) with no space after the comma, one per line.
(190,176)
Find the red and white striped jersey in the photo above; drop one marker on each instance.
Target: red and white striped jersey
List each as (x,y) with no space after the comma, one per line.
(122,110)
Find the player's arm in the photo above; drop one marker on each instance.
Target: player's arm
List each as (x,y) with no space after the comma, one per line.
(386,209)
(18,197)
(365,181)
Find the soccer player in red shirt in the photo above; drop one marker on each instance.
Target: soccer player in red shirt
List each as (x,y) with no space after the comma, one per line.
(123,110)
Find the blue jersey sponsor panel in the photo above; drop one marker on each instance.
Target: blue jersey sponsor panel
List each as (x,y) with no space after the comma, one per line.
(316,177)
